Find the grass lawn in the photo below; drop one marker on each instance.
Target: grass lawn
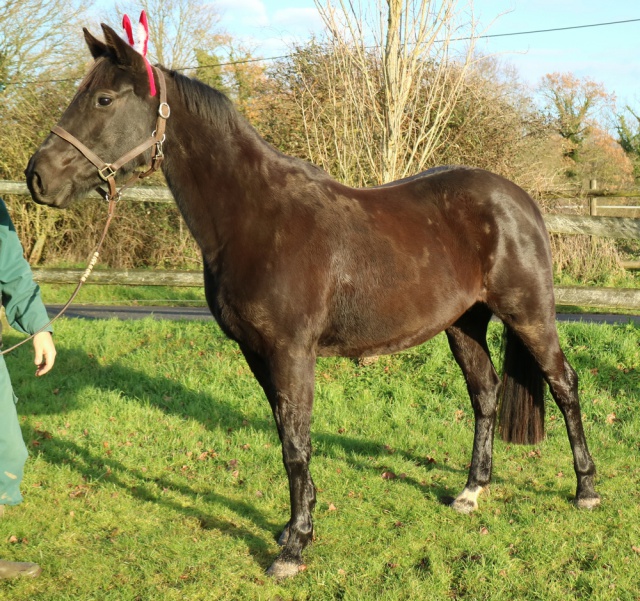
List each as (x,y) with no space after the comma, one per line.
(155,473)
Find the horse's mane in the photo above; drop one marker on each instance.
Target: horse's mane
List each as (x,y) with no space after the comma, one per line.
(206,102)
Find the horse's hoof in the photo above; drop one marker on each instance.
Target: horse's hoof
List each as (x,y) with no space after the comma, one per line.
(467,501)
(465,506)
(587,503)
(285,569)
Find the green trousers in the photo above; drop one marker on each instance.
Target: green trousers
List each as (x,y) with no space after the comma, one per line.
(13,451)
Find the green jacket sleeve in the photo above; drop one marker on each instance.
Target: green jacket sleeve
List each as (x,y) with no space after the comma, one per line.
(23,305)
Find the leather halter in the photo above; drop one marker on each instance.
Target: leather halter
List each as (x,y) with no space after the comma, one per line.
(107,171)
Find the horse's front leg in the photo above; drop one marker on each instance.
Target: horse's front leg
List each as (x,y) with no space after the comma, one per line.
(288,381)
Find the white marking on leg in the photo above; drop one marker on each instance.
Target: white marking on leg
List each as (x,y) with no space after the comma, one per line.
(467,500)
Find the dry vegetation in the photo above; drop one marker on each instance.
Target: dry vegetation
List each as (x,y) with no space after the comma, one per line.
(366,113)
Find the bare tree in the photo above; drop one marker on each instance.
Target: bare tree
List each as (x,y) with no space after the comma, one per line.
(393,74)
(36,35)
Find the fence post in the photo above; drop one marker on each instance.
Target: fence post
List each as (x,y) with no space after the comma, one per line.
(593,200)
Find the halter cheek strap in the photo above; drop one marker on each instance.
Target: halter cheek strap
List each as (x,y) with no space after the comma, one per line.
(107,171)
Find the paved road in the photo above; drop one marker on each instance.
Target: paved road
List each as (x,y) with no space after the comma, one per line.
(177,313)
(129,312)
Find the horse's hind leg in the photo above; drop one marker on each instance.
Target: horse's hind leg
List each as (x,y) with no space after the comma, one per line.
(467,339)
(540,336)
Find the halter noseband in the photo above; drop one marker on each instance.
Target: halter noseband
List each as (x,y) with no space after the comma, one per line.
(107,171)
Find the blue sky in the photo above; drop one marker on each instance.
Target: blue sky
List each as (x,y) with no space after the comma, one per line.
(610,54)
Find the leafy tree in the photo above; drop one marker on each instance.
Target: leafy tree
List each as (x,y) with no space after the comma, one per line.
(574,105)
(628,128)
(209,70)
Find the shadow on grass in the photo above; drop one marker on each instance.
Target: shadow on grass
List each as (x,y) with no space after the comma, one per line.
(92,468)
(75,371)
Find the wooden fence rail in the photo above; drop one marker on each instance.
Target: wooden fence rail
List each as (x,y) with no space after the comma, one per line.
(612,227)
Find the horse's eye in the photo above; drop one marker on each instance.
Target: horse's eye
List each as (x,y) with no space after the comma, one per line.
(104,101)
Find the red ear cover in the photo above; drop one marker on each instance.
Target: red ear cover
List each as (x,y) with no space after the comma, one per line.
(145,25)
(126,23)
(143,31)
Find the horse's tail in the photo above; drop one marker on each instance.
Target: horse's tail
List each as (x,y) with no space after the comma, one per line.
(521,413)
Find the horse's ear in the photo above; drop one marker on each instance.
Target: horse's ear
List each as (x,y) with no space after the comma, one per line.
(96,47)
(124,54)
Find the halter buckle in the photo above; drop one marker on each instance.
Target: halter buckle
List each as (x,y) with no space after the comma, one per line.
(106,172)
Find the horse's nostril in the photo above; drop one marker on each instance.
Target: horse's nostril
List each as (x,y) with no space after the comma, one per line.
(36,182)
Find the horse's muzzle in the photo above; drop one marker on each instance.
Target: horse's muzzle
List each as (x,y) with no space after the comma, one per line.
(40,186)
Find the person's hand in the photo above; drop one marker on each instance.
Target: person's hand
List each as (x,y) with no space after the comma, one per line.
(45,352)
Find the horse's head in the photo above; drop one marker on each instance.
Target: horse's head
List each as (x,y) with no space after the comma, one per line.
(111,114)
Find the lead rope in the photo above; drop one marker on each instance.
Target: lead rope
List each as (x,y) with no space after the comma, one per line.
(83,279)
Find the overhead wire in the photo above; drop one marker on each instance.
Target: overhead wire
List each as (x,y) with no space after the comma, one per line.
(273,58)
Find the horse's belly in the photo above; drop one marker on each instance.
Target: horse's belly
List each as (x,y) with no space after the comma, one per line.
(390,324)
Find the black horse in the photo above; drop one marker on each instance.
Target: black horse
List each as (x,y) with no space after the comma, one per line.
(297,265)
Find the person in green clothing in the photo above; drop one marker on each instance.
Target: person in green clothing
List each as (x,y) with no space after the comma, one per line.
(25,312)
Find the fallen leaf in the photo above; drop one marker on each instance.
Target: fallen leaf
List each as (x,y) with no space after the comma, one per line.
(635,548)
(484,530)
(332,507)
(611,418)
(302,567)
(459,414)
(13,539)
(388,475)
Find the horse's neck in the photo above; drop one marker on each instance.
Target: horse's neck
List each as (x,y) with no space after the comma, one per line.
(217,174)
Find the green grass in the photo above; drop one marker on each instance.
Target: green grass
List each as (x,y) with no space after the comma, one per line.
(155,473)
(124,295)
